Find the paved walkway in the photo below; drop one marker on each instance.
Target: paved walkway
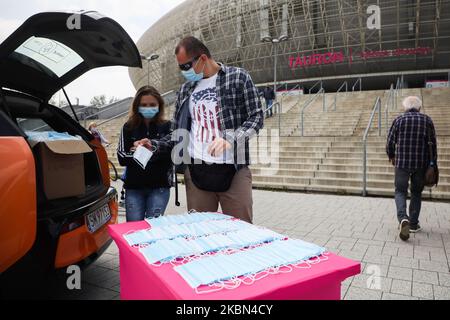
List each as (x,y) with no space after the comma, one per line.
(364,229)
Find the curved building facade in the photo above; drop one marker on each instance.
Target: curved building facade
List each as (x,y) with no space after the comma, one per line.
(325,38)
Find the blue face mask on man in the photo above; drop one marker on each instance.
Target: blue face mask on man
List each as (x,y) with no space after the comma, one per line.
(192,76)
(149,112)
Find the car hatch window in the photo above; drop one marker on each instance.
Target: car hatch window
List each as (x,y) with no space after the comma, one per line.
(51,54)
(36,125)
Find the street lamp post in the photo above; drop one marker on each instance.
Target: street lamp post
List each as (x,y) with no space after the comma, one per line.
(275,42)
(149,59)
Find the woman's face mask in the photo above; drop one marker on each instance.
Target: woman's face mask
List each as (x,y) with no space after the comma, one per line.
(149,112)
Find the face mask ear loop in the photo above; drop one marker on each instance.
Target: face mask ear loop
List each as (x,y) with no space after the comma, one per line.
(157,264)
(288,267)
(197,291)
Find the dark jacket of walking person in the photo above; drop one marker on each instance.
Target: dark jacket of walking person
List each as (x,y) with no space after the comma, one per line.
(218,110)
(269,96)
(147,190)
(408,150)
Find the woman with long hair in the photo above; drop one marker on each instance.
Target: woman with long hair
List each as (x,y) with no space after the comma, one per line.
(147,190)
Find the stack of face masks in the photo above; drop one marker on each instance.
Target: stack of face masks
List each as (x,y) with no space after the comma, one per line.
(222,267)
(186,218)
(41,136)
(167,250)
(173,231)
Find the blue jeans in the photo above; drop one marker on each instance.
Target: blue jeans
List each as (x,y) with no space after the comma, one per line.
(402,177)
(146,203)
(269,104)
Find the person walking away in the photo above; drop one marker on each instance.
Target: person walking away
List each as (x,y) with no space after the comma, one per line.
(269,96)
(408,151)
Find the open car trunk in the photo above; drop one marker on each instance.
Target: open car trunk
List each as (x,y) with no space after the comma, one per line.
(40,58)
(32,116)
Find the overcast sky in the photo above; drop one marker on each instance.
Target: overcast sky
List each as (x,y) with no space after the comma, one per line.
(135,16)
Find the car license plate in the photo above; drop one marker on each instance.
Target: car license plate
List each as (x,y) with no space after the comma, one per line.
(98,218)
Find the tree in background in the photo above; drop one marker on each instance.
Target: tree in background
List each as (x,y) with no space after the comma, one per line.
(98,101)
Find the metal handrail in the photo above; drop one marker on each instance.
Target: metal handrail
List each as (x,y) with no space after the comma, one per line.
(318,82)
(272,106)
(94,115)
(345,84)
(275,104)
(398,86)
(287,93)
(356,83)
(390,102)
(113,118)
(376,108)
(308,103)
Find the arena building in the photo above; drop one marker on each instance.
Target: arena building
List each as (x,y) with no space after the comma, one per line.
(334,40)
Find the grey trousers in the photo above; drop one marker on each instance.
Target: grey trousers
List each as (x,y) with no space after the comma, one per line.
(402,177)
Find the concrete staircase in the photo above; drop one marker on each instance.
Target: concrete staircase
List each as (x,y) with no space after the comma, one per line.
(329,157)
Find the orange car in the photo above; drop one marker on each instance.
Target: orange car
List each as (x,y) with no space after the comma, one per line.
(38,232)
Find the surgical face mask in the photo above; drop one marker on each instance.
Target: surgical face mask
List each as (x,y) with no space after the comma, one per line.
(186,219)
(192,76)
(148,112)
(213,269)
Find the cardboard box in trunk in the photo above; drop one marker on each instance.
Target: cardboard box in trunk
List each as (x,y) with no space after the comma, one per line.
(62,167)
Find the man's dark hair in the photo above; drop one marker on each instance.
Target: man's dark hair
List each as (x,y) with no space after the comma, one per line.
(193,47)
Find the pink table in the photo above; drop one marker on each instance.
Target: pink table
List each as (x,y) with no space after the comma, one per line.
(141,281)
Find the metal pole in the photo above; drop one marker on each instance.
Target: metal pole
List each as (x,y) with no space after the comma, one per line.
(323,100)
(275,71)
(279,120)
(379,118)
(365,169)
(148,72)
(302,124)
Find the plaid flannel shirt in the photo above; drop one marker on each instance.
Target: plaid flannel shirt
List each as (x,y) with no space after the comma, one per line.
(240,112)
(408,139)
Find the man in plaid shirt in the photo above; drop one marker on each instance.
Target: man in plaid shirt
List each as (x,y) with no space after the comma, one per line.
(408,150)
(216,113)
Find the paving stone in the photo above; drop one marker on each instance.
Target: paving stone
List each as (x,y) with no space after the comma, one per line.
(444,279)
(401,287)
(366,281)
(441,293)
(377,259)
(405,262)
(422,290)
(400,273)
(355,293)
(433,266)
(426,277)
(393,296)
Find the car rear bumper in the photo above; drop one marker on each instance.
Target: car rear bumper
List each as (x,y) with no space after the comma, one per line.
(80,246)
